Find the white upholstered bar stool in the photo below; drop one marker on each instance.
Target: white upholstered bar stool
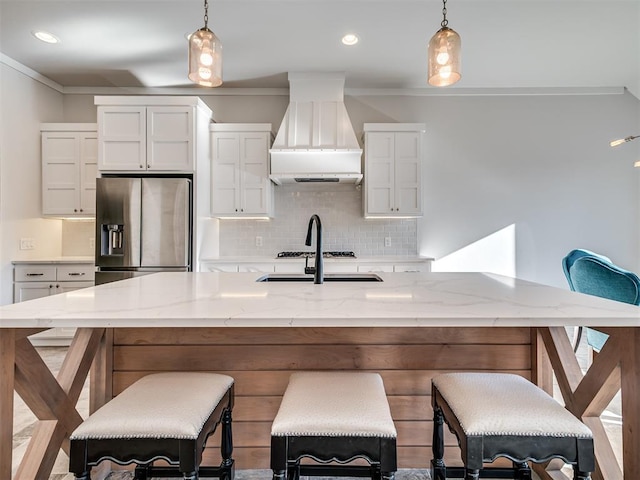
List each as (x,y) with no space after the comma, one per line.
(334,417)
(504,415)
(163,416)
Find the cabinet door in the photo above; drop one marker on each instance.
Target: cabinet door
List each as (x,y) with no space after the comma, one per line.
(225,173)
(122,138)
(88,172)
(408,195)
(170,139)
(23,291)
(60,173)
(254,177)
(379,174)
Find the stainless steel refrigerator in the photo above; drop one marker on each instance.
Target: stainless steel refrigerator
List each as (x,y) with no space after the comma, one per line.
(143,225)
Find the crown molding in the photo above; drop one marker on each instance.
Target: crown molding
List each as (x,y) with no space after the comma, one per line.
(357,92)
(10,62)
(478,92)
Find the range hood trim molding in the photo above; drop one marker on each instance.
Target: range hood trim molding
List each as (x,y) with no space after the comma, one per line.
(288,178)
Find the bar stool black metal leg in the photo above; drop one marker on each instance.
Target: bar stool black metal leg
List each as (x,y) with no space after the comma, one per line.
(388,475)
(437,446)
(471,474)
(577,475)
(522,470)
(141,472)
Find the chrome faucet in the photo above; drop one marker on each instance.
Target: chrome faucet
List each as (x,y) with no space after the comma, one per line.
(318,270)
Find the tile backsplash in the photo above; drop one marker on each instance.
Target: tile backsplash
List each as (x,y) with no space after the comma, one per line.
(343,225)
(78,238)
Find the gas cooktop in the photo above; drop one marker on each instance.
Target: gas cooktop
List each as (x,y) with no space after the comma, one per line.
(313,254)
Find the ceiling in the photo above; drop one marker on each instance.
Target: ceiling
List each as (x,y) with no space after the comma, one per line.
(505,43)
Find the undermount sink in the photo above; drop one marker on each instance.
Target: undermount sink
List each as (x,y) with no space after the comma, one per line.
(329,277)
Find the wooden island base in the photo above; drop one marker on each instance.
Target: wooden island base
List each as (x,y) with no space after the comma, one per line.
(416,326)
(261,360)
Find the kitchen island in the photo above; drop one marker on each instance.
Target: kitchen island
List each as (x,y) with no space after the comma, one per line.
(408,327)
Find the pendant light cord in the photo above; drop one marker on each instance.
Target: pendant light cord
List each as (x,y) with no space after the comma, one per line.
(206,13)
(444,21)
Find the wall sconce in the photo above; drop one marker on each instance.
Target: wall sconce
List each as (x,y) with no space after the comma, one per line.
(444,54)
(205,55)
(620,141)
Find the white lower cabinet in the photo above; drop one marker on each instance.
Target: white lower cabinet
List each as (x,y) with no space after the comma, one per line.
(37,280)
(235,268)
(297,266)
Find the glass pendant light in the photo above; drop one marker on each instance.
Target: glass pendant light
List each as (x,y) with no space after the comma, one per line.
(205,55)
(444,54)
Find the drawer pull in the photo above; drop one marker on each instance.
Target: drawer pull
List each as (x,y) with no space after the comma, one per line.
(76,274)
(35,274)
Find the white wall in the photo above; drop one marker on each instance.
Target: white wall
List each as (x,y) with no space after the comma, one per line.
(541,163)
(25,104)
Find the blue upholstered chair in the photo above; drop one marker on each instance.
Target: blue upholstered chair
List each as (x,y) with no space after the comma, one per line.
(594,274)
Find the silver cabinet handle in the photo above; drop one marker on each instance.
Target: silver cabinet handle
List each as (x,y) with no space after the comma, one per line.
(35,274)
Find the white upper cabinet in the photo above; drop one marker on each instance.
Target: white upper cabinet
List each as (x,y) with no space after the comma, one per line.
(69,169)
(392,176)
(240,185)
(148,134)
(146,138)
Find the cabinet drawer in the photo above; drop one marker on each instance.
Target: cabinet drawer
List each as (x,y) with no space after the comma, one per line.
(37,273)
(76,273)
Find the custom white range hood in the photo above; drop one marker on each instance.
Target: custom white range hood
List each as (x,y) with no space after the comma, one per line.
(316,142)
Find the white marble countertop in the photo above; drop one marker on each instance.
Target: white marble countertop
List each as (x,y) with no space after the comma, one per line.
(49,260)
(237,300)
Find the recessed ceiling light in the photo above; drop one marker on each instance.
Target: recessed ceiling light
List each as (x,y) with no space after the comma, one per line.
(350,39)
(45,36)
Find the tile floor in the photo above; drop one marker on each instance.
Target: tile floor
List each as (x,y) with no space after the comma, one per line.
(24,422)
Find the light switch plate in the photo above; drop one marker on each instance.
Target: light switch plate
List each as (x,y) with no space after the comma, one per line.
(387,241)
(27,244)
